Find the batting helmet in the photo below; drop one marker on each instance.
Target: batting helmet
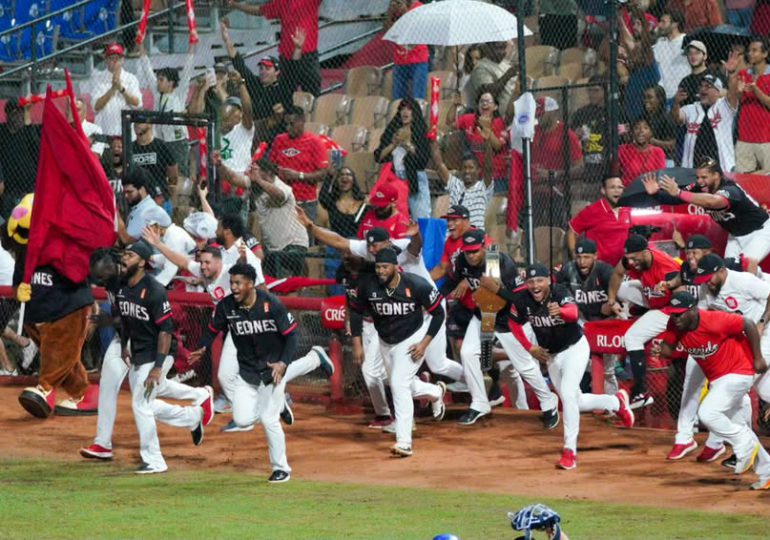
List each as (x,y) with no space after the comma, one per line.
(535,517)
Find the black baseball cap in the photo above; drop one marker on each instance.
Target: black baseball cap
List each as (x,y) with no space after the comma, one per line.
(698,241)
(635,244)
(707,267)
(585,246)
(473,240)
(387,255)
(538,270)
(680,302)
(377,234)
(457,211)
(141,248)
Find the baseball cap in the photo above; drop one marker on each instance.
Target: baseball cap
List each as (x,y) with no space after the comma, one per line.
(585,246)
(387,255)
(545,104)
(713,80)
(201,225)
(220,67)
(377,234)
(114,48)
(457,211)
(473,240)
(698,241)
(707,267)
(155,215)
(141,248)
(269,61)
(538,270)
(680,302)
(235,101)
(696,44)
(383,196)
(635,244)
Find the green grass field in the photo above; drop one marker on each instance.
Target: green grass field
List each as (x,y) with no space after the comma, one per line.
(80,501)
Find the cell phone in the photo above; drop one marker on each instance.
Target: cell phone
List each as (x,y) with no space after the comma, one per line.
(203,184)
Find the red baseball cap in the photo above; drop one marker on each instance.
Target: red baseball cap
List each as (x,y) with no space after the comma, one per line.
(114,48)
(383,196)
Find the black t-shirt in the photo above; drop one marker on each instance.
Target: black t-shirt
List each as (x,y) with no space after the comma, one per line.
(54,296)
(264,97)
(706,140)
(19,154)
(509,277)
(259,333)
(145,312)
(552,334)
(396,314)
(663,128)
(590,291)
(688,279)
(742,216)
(155,158)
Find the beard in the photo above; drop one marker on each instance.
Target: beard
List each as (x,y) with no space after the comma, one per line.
(131,271)
(383,213)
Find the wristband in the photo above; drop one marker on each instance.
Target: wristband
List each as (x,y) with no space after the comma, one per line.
(685,196)
(159,359)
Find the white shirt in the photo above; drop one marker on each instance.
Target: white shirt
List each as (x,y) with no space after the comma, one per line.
(236,148)
(177,239)
(742,292)
(475,199)
(411,264)
(278,220)
(108,119)
(672,63)
(219,287)
(231,256)
(137,221)
(90,130)
(7,264)
(176,101)
(722,117)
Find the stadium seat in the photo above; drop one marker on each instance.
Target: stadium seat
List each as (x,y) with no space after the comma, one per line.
(332,109)
(440,206)
(365,168)
(573,55)
(387,85)
(306,100)
(549,238)
(373,141)
(551,81)
(369,111)
(317,127)
(572,71)
(578,97)
(542,60)
(363,81)
(351,137)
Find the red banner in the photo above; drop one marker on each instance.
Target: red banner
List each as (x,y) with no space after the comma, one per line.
(261,149)
(37,98)
(192,25)
(142,32)
(435,96)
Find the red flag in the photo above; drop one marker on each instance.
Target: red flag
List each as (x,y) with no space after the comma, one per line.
(435,89)
(142,32)
(74,208)
(192,25)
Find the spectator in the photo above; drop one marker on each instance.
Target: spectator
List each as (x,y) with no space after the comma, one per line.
(472,192)
(19,151)
(172,236)
(231,234)
(170,90)
(410,63)
(640,61)
(712,138)
(92,131)
(302,160)
(472,57)
(296,16)
(697,13)
(285,240)
(668,52)
(590,124)
(404,144)
(153,155)
(112,163)
(740,12)
(142,206)
(662,126)
(697,54)
(640,155)
(604,222)
(495,68)
(384,214)
(115,89)
(752,151)
(558,23)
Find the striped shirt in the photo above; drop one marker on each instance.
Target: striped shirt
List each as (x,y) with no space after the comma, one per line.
(475,199)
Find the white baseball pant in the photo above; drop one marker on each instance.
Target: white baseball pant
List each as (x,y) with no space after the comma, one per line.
(297,368)
(254,403)
(631,291)
(522,361)
(515,385)
(648,326)
(227,373)
(436,357)
(147,410)
(404,383)
(610,379)
(755,245)
(566,370)
(373,370)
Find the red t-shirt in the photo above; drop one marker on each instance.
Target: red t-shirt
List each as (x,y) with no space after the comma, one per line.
(599,223)
(634,163)
(718,344)
(547,149)
(754,120)
(417,54)
(306,154)
(397,225)
(295,14)
(467,124)
(662,268)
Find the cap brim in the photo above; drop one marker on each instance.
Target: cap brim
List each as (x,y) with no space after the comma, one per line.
(671,310)
(472,247)
(378,204)
(453,216)
(700,280)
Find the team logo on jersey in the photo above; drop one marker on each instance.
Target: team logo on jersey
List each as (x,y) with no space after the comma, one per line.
(266,307)
(166,307)
(408,292)
(703,352)
(219,293)
(731,302)
(291,152)
(514,311)
(434,294)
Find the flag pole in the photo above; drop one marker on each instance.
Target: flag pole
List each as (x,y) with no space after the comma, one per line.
(22,309)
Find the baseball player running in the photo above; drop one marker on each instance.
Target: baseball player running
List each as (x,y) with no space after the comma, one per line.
(559,343)
(145,314)
(396,302)
(107,271)
(727,349)
(265,338)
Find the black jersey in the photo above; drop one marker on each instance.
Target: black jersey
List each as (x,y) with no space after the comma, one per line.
(54,296)
(688,279)
(590,292)
(742,216)
(398,313)
(260,334)
(509,277)
(552,333)
(145,312)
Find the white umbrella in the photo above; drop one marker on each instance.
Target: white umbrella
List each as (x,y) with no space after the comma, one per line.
(454,22)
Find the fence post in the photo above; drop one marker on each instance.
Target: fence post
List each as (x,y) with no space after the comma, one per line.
(526,158)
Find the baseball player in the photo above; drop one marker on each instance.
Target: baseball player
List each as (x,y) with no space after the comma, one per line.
(145,315)
(727,349)
(107,271)
(398,304)
(646,268)
(265,337)
(746,223)
(471,266)
(560,344)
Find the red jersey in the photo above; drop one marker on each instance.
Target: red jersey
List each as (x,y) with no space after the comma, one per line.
(306,154)
(547,148)
(295,14)
(663,267)
(598,222)
(754,120)
(634,163)
(417,54)
(397,225)
(718,344)
(467,124)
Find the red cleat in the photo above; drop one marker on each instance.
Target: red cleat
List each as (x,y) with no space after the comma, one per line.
(88,405)
(568,460)
(681,450)
(710,454)
(208,406)
(96,451)
(625,413)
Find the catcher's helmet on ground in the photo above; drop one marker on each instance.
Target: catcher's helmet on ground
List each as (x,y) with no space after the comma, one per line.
(535,517)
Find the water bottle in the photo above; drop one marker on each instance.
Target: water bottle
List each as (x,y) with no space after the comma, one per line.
(337,159)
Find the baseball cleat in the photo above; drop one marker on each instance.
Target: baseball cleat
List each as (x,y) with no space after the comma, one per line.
(208,406)
(278,477)
(232,427)
(497,401)
(380,422)
(222,405)
(96,451)
(197,433)
(568,460)
(550,419)
(287,415)
(37,401)
(747,462)
(761,485)
(471,417)
(710,454)
(146,468)
(326,363)
(641,400)
(681,450)
(401,450)
(625,413)
(391,428)
(438,407)
(730,462)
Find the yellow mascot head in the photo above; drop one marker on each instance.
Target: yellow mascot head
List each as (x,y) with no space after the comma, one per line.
(21,219)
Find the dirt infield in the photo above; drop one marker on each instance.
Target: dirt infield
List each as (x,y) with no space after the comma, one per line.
(509,453)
